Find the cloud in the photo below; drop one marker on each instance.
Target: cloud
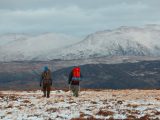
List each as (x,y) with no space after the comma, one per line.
(74,16)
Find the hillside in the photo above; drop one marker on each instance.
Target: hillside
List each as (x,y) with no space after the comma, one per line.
(26,75)
(91,105)
(23,48)
(141,75)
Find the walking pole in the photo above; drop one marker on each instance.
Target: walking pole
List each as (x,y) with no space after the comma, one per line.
(79,87)
(69,87)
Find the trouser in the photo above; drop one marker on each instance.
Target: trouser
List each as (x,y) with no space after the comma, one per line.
(75,90)
(46,89)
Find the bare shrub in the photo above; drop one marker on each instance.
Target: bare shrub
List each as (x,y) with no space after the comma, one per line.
(105,113)
(132,105)
(93,102)
(52,110)
(9,106)
(131,117)
(157,113)
(120,102)
(13,98)
(146,117)
(26,101)
(9,113)
(90,118)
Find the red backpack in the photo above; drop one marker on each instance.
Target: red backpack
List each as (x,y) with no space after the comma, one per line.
(76,72)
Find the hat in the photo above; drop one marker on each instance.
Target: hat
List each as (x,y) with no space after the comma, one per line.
(46,68)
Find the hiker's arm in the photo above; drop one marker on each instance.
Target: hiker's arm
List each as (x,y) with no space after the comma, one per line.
(51,81)
(51,77)
(81,76)
(41,79)
(70,77)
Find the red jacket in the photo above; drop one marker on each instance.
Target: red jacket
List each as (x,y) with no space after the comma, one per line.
(75,76)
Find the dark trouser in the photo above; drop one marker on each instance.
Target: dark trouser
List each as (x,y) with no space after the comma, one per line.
(75,90)
(46,89)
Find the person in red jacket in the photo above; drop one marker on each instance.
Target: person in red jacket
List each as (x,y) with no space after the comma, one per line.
(75,77)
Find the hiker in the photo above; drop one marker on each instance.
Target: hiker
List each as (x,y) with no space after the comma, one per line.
(46,80)
(75,77)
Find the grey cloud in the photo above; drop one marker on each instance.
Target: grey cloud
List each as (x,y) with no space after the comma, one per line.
(77,17)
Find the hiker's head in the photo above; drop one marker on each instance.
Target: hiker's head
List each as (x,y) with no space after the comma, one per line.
(76,66)
(46,68)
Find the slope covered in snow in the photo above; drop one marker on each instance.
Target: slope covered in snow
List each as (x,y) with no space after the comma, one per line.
(8,38)
(91,104)
(123,41)
(27,49)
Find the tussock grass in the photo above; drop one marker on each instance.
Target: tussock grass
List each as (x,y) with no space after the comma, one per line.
(105,113)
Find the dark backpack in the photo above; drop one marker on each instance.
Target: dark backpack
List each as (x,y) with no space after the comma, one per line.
(46,76)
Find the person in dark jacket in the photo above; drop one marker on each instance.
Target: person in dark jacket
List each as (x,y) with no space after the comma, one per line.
(46,80)
(75,77)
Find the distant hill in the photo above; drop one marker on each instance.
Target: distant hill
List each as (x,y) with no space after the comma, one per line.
(140,75)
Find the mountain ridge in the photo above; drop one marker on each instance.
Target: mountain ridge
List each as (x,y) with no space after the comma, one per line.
(123,41)
(27,49)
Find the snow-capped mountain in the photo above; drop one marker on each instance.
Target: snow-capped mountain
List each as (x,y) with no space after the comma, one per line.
(132,41)
(11,37)
(29,48)
(123,41)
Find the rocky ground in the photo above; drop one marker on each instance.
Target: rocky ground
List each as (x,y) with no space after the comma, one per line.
(90,105)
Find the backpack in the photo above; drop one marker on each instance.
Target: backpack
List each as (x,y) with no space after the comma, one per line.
(46,77)
(76,73)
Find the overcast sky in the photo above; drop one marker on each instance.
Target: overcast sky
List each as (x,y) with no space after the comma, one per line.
(75,17)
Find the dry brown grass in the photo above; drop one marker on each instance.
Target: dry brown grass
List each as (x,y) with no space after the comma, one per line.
(132,105)
(9,106)
(19,107)
(133,111)
(26,101)
(90,118)
(131,117)
(93,102)
(120,102)
(105,113)
(13,98)
(70,102)
(52,110)
(9,113)
(82,115)
(23,104)
(2,96)
(78,119)
(39,97)
(146,117)
(121,99)
(157,99)
(157,113)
